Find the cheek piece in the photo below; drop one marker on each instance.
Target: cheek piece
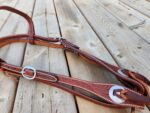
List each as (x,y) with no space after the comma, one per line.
(134,93)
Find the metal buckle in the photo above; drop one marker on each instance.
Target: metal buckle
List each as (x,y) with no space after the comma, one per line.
(113,97)
(120,71)
(26,76)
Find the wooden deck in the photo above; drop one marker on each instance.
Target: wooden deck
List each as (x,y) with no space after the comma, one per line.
(117,31)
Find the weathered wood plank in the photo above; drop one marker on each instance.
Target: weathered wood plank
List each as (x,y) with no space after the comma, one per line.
(7,85)
(4,14)
(62,102)
(129,50)
(142,6)
(131,17)
(75,28)
(143,30)
(125,14)
(36,97)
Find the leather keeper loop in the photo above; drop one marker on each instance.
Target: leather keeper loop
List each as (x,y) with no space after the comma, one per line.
(69,46)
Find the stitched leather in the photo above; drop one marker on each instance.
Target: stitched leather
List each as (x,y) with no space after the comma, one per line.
(135,93)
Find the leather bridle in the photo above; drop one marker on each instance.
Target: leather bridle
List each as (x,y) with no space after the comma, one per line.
(134,94)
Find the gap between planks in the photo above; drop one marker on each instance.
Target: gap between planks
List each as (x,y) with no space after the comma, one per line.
(96,28)
(75,28)
(48,59)
(9,90)
(136,21)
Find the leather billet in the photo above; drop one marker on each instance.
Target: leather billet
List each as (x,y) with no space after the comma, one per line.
(134,94)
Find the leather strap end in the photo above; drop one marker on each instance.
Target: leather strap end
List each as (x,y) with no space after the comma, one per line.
(137,98)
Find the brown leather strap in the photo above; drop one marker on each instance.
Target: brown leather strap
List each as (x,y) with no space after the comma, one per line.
(135,94)
(98,89)
(31,31)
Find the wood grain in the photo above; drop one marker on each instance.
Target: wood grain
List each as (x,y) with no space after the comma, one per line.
(5,14)
(116,31)
(35,97)
(129,50)
(142,6)
(75,28)
(12,54)
(131,17)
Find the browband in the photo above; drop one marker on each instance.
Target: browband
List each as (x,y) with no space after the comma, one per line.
(134,94)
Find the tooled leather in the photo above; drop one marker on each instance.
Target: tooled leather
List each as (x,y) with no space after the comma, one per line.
(136,89)
(99,89)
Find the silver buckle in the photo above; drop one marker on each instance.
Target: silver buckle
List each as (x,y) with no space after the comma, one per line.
(26,76)
(120,71)
(113,97)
